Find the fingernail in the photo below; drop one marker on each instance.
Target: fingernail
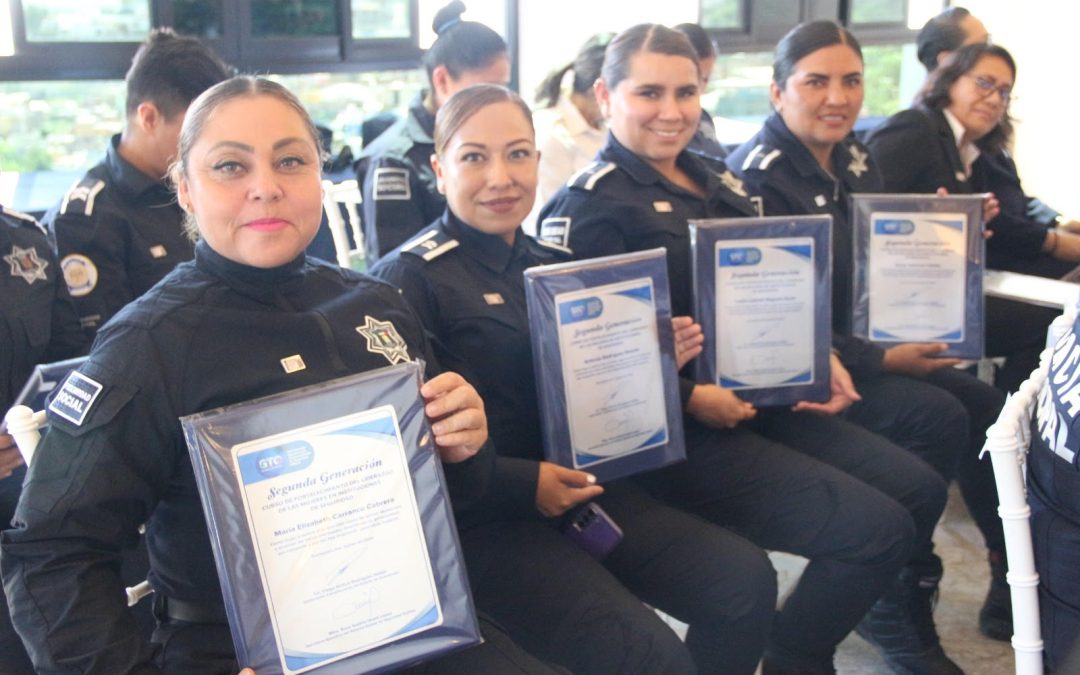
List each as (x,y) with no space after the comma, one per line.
(591,478)
(437,429)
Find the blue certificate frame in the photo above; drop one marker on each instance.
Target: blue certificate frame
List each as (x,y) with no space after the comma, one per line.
(763,295)
(313,500)
(604,357)
(918,266)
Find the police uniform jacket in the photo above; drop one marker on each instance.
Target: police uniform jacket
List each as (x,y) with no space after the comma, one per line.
(38,323)
(1054,460)
(916,151)
(400,196)
(468,289)
(779,171)
(211,334)
(118,232)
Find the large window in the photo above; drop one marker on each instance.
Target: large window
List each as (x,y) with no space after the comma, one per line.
(81,21)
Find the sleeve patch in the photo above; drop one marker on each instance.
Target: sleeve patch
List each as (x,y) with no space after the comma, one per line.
(555,230)
(392,183)
(75,397)
(80,274)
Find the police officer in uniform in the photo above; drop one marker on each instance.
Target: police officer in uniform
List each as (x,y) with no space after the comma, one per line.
(639,195)
(464,277)
(38,324)
(215,332)
(398,186)
(118,229)
(1053,474)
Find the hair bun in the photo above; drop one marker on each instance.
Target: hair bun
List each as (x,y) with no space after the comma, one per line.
(448,17)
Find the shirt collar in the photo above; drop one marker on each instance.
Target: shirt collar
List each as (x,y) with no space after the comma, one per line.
(969,152)
(854,173)
(490,250)
(125,176)
(421,124)
(263,284)
(645,174)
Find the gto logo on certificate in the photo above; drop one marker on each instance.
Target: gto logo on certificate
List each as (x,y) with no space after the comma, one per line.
(338,537)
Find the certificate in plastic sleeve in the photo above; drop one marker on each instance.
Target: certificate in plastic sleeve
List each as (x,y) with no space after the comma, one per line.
(611,361)
(331,527)
(918,271)
(604,358)
(762,292)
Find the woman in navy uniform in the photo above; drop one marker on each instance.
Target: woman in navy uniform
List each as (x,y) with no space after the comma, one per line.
(38,324)
(397,183)
(463,274)
(740,472)
(805,161)
(1053,474)
(953,138)
(213,332)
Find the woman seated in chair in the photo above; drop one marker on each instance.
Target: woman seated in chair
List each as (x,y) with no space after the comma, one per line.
(212,333)
(463,275)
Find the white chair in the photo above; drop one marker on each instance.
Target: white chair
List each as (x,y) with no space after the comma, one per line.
(336,196)
(25,426)
(1007,441)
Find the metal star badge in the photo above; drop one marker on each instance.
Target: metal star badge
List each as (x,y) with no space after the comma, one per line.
(25,263)
(382,338)
(858,162)
(733,183)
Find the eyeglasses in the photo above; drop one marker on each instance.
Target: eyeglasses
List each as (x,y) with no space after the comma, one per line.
(988,86)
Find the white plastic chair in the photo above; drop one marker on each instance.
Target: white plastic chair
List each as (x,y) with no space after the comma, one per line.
(335,196)
(1007,441)
(25,426)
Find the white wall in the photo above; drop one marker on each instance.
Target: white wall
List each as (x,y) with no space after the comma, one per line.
(1041,34)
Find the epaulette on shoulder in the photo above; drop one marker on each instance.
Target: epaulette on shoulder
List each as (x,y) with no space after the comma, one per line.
(81,196)
(587,178)
(761,157)
(552,246)
(430,245)
(23,219)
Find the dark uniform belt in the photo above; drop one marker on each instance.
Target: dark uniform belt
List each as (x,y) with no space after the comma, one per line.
(189,612)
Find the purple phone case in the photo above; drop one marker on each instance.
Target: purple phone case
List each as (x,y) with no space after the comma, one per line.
(591,528)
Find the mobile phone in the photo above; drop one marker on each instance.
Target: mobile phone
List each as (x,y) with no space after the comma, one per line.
(591,528)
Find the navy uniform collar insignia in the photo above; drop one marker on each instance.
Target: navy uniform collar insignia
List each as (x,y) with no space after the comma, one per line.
(733,183)
(25,263)
(382,338)
(858,162)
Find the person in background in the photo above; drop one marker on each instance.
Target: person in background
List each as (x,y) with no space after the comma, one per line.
(758,472)
(463,275)
(248,172)
(38,324)
(569,128)
(394,171)
(118,229)
(705,142)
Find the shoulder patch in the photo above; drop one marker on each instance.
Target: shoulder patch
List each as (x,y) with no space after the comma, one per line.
(80,274)
(555,230)
(587,178)
(391,183)
(430,245)
(83,194)
(73,400)
(761,157)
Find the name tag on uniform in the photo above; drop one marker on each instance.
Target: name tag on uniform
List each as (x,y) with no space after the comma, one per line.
(292,364)
(662,207)
(493,298)
(820,200)
(158,251)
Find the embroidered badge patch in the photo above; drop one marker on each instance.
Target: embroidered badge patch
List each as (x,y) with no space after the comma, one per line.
(733,183)
(382,338)
(555,230)
(80,274)
(858,162)
(75,397)
(391,183)
(25,263)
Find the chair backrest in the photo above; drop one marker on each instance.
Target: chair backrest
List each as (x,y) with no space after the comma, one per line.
(345,225)
(1007,441)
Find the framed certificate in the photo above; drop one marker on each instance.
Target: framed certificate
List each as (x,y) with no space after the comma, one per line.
(604,355)
(762,294)
(918,264)
(313,499)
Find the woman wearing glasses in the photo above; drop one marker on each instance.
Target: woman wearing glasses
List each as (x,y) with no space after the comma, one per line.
(955,137)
